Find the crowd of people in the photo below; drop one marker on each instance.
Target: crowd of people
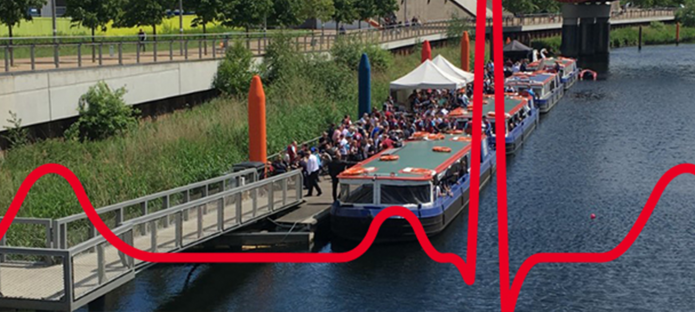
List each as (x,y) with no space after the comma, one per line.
(352,141)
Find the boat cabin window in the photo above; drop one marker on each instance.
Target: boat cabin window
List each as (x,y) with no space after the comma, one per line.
(357,193)
(405,194)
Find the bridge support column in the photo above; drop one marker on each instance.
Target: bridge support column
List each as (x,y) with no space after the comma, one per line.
(586,33)
(603,32)
(587,37)
(570,37)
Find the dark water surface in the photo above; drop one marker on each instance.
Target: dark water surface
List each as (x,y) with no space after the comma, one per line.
(601,150)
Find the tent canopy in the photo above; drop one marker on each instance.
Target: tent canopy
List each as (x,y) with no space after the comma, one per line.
(428,76)
(516,46)
(452,70)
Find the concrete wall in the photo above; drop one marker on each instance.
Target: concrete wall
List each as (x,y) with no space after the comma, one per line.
(53,95)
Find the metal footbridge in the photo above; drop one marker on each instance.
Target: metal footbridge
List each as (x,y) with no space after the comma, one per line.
(77,265)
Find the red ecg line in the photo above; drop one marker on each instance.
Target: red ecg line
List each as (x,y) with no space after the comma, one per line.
(509,291)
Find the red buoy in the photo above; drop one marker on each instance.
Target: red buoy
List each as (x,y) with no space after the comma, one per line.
(593,216)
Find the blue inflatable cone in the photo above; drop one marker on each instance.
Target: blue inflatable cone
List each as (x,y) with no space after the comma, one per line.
(365,86)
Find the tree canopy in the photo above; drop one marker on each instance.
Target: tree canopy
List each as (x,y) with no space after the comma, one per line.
(246,13)
(345,11)
(319,9)
(206,11)
(91,14)
(686,15)
(12,12)
(143,13)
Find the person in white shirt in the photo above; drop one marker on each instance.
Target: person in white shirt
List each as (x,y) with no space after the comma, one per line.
(312,168)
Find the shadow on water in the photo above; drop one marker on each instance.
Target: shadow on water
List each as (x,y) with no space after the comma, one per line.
(208,290)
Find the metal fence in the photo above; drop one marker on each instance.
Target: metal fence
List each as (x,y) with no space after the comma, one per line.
(36,54)
(67,278)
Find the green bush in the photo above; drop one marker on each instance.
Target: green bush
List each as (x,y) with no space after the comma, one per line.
(235,70)
(686,15)
(103,113)
(348,51)
(552,44)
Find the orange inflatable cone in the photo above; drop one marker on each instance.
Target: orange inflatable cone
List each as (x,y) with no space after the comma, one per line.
(466,52)
(426,51)
(257,129)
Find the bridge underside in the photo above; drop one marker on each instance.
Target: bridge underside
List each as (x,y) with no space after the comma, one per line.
(586,29)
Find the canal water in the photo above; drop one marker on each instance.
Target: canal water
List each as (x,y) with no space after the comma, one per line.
(601,150)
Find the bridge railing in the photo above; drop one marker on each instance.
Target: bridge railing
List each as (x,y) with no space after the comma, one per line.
(37,54)
(49,53)
(75,229)
(74,276)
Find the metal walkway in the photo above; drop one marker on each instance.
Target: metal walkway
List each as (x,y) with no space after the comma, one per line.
(78,266)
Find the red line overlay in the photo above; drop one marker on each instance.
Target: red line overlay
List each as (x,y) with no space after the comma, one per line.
(509,290)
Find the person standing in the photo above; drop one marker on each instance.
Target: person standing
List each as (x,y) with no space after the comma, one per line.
(312,168)
(335,167)
(142,37)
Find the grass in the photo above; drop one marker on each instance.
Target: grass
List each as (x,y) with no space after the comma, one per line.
(189,145)
(43,26)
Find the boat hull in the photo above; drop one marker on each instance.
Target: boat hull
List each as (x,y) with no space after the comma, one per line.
(398,229)
(520,134)
(545,105)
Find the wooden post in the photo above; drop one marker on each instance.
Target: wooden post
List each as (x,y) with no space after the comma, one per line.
(678,33)
(639,40)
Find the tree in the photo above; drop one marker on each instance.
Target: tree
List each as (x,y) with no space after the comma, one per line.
(206,11)
(686,14)
(246,13)
(143,13)
(286,13)
(385,7)
(12,12)
(365,9)
(318,9)
(92,14)
(345,12)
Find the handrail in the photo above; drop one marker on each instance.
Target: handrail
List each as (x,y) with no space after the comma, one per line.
(60,226)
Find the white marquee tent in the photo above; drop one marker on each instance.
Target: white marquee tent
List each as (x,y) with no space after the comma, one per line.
(428,76)
(451,69)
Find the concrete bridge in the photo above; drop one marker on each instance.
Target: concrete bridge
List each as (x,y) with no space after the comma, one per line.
(42,82)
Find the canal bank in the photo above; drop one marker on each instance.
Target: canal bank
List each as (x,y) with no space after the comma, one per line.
(601,150)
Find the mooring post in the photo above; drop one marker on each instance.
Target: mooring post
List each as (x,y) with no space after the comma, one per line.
(639,40)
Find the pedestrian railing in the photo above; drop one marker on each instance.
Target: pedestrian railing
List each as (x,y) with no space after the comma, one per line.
(51,53)
(67,277)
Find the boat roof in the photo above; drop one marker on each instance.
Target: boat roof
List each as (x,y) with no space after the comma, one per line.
(512,104)
(414,154)
(537,78)
(551,62)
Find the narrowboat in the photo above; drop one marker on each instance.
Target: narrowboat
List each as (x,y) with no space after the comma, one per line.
(569,72)
(546,87)
(411,176)
(521,116)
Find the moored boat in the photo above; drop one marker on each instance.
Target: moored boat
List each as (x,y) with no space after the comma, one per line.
(546,87)
(429,175)
(568,70)
(520,114)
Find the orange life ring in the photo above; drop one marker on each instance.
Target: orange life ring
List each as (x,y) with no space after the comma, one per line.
(441,149)
(389,158)
(421,171)
(435,137)
(354,171)
(461,139)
